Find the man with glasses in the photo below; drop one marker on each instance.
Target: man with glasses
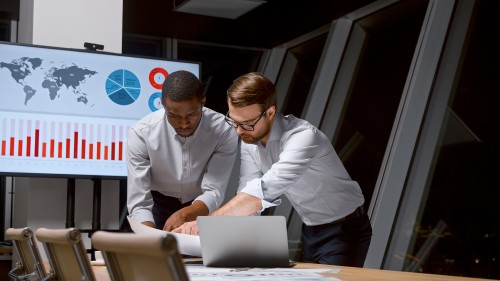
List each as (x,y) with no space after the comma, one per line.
(178,156)
(285,155)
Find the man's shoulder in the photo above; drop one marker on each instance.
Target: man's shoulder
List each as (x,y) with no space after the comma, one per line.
(152,119)
(210,113)
(215,121)
(296,124)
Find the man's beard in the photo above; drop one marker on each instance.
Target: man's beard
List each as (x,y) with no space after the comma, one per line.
(253,139)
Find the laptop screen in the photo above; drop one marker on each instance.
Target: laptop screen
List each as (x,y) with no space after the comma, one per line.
(244,241)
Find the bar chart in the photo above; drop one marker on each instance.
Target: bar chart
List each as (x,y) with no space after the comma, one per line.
(86,144)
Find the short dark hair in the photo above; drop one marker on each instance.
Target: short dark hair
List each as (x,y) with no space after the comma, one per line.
(252,88)
(180,86)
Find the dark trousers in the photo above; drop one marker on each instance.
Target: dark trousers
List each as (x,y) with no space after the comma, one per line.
(164,207)
(342,243)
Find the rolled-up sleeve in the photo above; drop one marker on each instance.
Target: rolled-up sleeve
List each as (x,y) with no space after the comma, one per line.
(139,199)
(296,155)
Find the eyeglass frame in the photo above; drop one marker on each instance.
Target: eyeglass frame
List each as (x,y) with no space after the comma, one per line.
(251,127)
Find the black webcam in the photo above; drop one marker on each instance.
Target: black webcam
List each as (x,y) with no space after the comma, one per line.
(93,46)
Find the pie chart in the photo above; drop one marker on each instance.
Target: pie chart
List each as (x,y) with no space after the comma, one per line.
(157,77)
(123,87)
(154,101)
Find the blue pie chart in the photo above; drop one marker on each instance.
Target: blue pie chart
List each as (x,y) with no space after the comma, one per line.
(123,87)
(154,101)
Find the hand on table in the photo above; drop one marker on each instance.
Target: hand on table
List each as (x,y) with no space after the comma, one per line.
(187,228)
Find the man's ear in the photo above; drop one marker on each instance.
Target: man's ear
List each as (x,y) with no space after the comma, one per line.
(271,111)
(203,100)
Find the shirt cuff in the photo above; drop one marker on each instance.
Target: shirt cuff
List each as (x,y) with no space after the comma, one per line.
(254,188)
(142,215)
(209,200)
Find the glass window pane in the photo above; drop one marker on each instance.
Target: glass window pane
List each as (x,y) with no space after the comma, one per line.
(458,230)
(4,30)
(376,92)
(306,57)
(134,45)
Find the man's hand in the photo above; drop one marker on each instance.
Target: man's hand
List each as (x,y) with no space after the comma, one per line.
(186,214)
(188,228)
(175,220)
(149,223)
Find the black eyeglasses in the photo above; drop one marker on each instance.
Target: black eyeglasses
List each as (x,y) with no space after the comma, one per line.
(246,127)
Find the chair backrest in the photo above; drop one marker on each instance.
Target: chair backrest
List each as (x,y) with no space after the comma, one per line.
(131,256)
(30,265)
(66,253)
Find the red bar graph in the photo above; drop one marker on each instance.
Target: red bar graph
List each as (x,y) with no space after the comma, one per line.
(52,139)
(60,143)
(98,150)
(28,138)
(98,142)
(75,148)
(20,148)
(4,137)
(20,140)
(44,149)
(37,137)
(12,141)
(83,141)
(120,144)
(44,139)
(68,139)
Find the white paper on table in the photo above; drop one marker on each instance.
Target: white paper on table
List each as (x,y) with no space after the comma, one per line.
(187,244)
(202,273)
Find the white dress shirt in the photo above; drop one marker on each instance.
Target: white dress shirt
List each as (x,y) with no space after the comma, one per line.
(300,162)
(197,167)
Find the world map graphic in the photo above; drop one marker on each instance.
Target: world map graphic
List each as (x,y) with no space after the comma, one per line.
(55,79)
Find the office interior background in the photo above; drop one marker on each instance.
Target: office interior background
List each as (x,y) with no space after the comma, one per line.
(406,90)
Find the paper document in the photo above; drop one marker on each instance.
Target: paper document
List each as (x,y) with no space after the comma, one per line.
(187,244)
(202,273)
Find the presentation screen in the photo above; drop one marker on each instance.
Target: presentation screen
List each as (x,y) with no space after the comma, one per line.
(66,112)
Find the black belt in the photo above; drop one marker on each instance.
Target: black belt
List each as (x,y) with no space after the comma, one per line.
(356,214)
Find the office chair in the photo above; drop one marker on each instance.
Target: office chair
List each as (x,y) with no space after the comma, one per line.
(30,265)
(66,253)
(131,256)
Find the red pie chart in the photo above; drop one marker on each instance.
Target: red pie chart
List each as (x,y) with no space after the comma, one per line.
(157,76)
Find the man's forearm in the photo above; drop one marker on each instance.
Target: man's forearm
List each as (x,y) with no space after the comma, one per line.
(186,214)
(149,223)
(242,204)
(197,208)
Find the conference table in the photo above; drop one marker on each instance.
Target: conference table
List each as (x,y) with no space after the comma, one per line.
(342,273)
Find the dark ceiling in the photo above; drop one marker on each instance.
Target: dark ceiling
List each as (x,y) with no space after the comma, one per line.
(271,24)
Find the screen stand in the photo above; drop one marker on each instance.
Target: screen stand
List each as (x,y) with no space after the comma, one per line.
(70,203)
(96,207)
(3,183)
(123,223)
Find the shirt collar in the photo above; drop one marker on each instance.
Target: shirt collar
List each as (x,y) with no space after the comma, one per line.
(277,129)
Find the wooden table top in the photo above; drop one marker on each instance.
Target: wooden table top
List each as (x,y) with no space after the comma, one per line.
(347,274)
(368,274)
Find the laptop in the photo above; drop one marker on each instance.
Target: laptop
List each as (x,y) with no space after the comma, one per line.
(243,241)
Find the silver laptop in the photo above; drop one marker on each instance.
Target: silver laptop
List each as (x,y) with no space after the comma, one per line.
(249,241)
